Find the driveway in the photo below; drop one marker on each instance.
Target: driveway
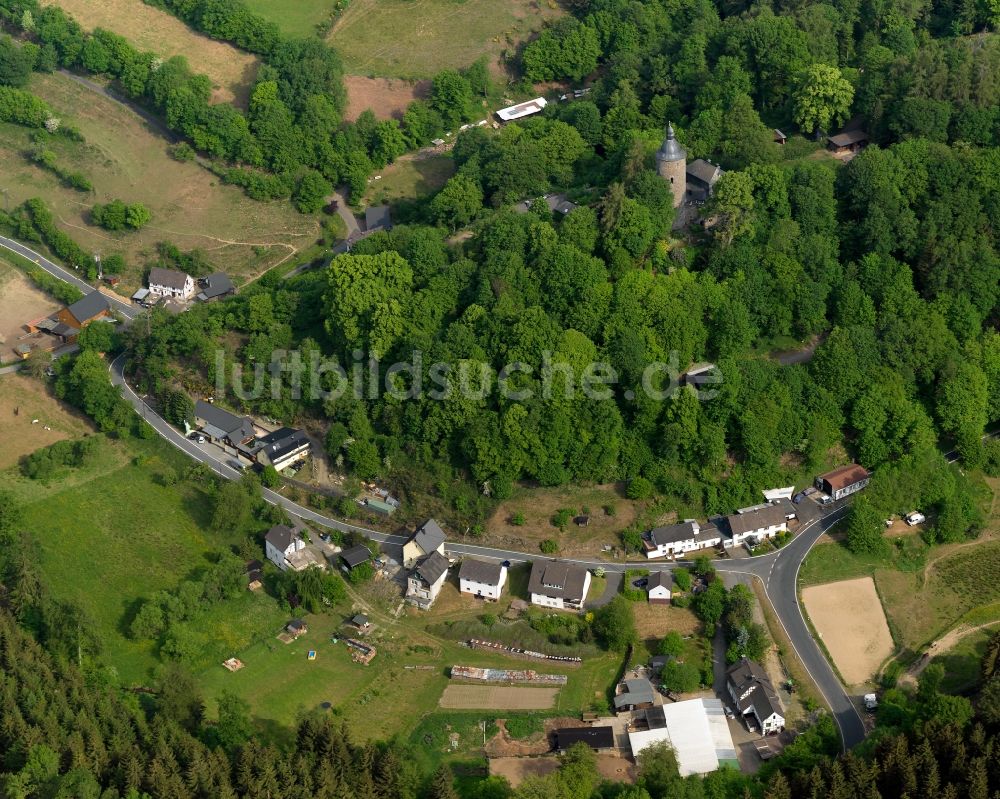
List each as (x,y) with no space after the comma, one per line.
(614,585)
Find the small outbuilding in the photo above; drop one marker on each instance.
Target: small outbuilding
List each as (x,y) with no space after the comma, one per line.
(296,627)
(848,141)
(659,587)
(600,739)
(354,557)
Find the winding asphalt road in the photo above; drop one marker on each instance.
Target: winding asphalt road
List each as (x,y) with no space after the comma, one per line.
(122,306)
(778,571)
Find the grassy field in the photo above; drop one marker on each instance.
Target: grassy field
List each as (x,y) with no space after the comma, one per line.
(33,401)
(410,177)
(111,534)
(124,158)
(406,39)
(925,591)
(297,19)
(231,71)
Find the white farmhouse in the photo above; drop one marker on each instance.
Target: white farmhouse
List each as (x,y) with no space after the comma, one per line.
(281,543)
(425,581)
(555,584)
(753,694)
(674,539)
(760,523)
(170,283)
(482,579)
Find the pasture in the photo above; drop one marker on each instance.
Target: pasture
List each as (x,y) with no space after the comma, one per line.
(124,158)
(406,39)
(850,622)
(297,18)
(149,28)
(497,697)
(20,302)
(411,176)
(32,401)
(386,97)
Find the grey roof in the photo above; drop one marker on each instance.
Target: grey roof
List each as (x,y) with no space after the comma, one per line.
(360,620)
(281,536)
(216,284)
(701,170)
(848,137)
(672,533)
(557,579)
(638,691)
(355,556)
(432,567)
(282,442)
(479,571)
(377,217)
(429,536)
(229,423)
(671,149)
(748,675)
(740,523)
(170,278)
(660,579)
(296,624)
(89,306)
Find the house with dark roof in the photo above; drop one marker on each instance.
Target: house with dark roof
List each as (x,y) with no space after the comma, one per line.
(659,587)
(844,481)
(170,283)
(222,426)
(634,694)
(281,448)
(351,558)
(377,217)
(67,323)
(753,694)
(847,141)
(600,739)
(758,523)
(428,538)
(557,584)
(214,287)
(673,539)
(482,579)
(280,543)
(425,581)
(701,179)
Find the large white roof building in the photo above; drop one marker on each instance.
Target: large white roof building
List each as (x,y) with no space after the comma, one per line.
(697,731)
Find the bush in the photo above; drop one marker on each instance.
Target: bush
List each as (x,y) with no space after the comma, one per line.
(562,517)
(181,151)
(269,477)
(639,488)
(680,678)
(517,519)
(682,579)
(117,215)
(549,547)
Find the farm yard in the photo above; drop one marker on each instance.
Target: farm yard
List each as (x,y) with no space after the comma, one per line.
(32,400)
(124,159)
(20,302)
(404,39)
(149,28)
(497,697)
(386,97)
(850,622)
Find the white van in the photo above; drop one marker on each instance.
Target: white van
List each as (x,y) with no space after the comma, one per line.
(915,518)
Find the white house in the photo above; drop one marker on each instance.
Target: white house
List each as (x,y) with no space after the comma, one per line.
(424,583)
(555,584)
(844,481)
(659,588)
(281,543)
(428,538)
(170,283)
(673,539)
(282,448)
(482,579)
(760,522)
(753,694)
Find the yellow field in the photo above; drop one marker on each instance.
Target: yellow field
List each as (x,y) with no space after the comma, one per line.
(849,619)
(231,71)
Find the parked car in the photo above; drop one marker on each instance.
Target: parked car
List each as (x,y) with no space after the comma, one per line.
(916,517)
(825,499)
(642,582)
(237,465)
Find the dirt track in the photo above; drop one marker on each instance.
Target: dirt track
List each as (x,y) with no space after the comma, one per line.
(497,697)
(849,619)
(939,647)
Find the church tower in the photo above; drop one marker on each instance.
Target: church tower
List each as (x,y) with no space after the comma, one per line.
(671,163)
